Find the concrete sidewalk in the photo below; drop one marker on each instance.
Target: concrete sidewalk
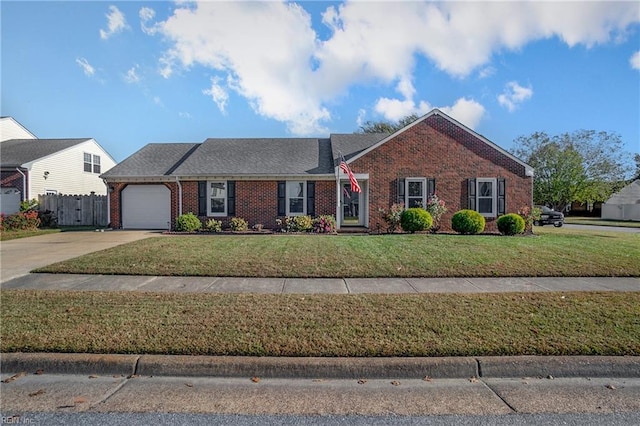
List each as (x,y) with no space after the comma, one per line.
(317,285)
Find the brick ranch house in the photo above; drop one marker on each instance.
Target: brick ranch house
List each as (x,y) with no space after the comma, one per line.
(261,180)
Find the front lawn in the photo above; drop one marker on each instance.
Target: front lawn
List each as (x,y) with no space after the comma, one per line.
(551,252)
(321,325)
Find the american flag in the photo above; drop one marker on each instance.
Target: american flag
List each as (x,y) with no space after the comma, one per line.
(352,179)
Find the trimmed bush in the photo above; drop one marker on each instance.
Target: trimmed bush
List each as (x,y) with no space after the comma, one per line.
(238,224)
(510,224)
(467,222)
(188,222)
(213,225)
(325,224)
(415,219)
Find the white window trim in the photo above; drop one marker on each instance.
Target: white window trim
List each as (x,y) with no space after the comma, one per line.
(494,197)
(92,162)
(304,197)
(424,190)
(226,197)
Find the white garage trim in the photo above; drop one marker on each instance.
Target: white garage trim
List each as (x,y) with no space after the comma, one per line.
(146,207)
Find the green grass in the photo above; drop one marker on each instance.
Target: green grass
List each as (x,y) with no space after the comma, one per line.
(552,252)
(321,325)
(577,220)
(12,235)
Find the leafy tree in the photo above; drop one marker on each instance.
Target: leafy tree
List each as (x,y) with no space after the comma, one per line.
(387,126)
(583,166)
(636,158)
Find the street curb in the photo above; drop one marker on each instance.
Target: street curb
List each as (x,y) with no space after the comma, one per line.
(559,366)
(312,367)
(63,363)
(322,367)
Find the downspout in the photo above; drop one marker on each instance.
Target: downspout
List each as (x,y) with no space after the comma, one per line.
(108,203)
(179,196)
(24,185)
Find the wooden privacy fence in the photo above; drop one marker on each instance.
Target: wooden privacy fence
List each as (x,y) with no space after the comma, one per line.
(76,210)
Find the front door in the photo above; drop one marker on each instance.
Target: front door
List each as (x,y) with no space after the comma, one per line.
(351,212)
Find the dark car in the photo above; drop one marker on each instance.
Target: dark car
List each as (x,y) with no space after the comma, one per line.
(549,217)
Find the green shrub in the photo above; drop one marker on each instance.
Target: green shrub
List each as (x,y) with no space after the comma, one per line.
(48,219)
(188,222)
(392,217)
(238,224)
(415,219)
(302,223)
(467,222)
(325,224)
(511,224)
(213,225)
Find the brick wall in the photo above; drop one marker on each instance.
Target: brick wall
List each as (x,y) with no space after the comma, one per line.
(256,201)
(437,148)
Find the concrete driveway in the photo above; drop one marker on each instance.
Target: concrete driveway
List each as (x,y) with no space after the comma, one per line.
(18,257)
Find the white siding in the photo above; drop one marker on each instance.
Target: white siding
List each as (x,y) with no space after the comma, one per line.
(11,129)
(66,172)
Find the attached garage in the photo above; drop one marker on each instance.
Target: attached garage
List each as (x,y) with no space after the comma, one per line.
(146,207)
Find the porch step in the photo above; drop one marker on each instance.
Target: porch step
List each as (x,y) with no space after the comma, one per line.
(353,230)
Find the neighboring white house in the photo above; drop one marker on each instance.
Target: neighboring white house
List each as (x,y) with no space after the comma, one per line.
(624,204)
(32,166)
(11,129)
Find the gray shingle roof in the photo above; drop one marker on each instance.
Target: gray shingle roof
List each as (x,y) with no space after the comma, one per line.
(351,144)
(259,157)
(16,152)
(154,159)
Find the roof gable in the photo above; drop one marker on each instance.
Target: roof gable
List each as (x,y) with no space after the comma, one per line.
(436,113)
(630,194)
(16,152)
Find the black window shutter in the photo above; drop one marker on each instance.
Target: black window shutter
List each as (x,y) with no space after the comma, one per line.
(282,198)
(502,206)
(231,198)
(311,198)
(472,193)
(202,198)
(431,187)
(400,191)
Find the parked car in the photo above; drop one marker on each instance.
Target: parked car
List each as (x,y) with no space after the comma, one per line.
(549,217)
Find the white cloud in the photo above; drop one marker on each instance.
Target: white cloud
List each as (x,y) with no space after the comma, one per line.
(466,111)
(634,61)
(268,53)
(513,95)
(183,114)
(218,93)
(116,23)
(146,14)
(86,67)
(132,75)
(157,101)
(362,113)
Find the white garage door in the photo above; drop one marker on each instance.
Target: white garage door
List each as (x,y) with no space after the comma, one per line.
(146,207)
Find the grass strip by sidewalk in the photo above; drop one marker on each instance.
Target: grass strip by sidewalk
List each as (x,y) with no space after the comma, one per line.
(606,323)
(580,220)
(554,252)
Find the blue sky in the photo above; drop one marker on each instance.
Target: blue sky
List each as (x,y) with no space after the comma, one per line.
(130,73)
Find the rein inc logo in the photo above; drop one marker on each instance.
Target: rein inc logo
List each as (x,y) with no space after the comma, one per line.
(17,420)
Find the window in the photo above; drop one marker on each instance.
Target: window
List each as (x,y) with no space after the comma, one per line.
(416,192)
(295,198)
(486,195)
(88,166)
(51,192)
(91,163)
(96,164)
(217,199)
